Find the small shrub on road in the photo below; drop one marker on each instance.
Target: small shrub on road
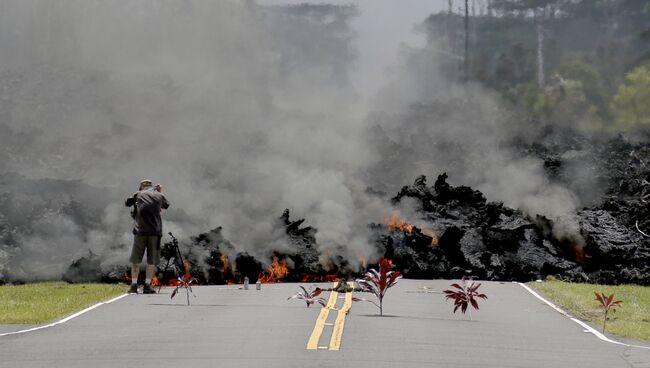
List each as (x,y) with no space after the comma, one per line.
(185,282)
(378,282)
(464,296)
(310,297)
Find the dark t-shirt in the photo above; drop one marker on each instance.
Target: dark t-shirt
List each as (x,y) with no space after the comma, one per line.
(148,204)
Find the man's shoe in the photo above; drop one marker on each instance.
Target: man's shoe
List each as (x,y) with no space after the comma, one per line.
(148,290)
(133,289)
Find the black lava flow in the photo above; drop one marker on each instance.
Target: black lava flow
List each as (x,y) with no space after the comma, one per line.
(475,238)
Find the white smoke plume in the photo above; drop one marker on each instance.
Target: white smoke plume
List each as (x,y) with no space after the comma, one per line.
(240,111)
(429,124)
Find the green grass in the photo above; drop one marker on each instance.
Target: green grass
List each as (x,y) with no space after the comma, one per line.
(630,320)
(43,302)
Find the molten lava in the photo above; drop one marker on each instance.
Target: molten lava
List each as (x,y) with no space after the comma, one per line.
(310,277)
(225,262)
(277,271)
(396,222)
(579,252)
(388,262)
(432,235)
(155,281)
(186,266)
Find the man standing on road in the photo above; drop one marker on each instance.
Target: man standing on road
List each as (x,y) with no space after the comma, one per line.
(147,230)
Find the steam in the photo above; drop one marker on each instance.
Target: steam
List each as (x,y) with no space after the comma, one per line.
(432,125)
(240,111)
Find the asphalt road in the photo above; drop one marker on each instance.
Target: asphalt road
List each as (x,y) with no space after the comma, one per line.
(226,326)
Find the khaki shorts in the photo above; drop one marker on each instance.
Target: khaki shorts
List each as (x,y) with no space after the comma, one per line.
(149,242)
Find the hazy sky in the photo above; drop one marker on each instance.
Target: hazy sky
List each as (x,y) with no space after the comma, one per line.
(382,27)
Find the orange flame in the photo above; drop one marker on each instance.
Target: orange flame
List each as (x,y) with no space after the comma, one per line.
(432,235)
(186,266)
(276,272)
(155,281)
(225,262)
(396,222)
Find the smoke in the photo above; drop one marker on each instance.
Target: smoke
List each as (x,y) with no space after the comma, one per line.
(240,111)
(427,123)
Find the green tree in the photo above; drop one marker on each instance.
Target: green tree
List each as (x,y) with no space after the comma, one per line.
(567,102)
(630,104)
(593,86)
(530,98)
(574,96)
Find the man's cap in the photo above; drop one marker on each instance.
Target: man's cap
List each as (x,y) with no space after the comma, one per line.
(146,183)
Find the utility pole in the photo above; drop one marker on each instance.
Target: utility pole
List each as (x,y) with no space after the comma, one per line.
(541,17)
(466,76)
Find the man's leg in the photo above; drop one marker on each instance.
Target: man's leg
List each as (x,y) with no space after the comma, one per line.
(136,257)
(152,259)
(135,271)
(149,271)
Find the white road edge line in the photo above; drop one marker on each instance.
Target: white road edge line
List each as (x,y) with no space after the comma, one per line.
(584,325)
(66,319)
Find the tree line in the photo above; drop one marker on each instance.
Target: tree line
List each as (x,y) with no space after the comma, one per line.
(576,62)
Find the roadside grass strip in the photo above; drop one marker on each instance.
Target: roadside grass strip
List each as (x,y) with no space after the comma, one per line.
(629,320)
(66,319)
(586,327)
(44,302)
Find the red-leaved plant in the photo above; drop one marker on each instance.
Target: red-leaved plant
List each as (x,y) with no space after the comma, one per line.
(465,295)
(607,303)
(378,282)
(185,282)
(310,297)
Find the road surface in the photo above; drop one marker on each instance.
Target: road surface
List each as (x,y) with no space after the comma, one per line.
(226,326)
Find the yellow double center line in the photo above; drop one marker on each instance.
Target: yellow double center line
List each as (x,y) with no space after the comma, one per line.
(339,324)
